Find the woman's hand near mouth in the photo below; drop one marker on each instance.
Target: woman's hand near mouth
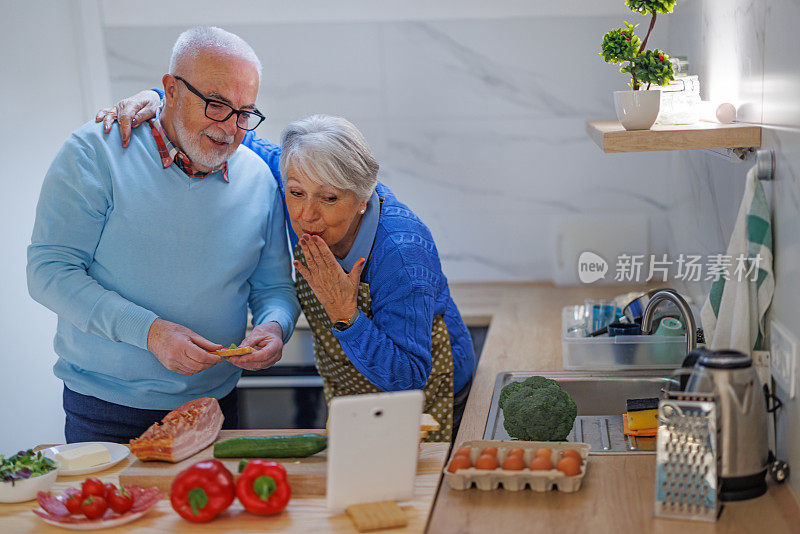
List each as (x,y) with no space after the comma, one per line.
(335,289)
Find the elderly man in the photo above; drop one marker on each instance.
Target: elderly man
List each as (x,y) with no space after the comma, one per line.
(150,255)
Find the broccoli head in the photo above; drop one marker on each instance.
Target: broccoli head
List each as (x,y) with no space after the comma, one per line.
(531,383)
(508,389)
(539,382)
(539,414)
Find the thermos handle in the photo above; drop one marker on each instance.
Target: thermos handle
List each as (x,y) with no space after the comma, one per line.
(689,362)
(702,378)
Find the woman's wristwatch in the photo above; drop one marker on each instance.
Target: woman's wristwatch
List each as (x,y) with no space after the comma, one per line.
(341,326)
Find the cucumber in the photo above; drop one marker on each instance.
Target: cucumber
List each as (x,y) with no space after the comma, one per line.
(298,446)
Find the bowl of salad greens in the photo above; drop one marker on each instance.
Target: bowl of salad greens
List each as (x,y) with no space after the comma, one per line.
(25,474)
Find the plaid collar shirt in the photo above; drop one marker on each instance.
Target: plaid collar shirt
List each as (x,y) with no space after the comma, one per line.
(170,153)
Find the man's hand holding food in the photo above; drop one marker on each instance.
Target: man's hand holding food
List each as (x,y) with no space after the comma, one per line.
(267,339)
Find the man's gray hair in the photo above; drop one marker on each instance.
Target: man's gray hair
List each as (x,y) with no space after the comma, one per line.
(330,150)
(200,37)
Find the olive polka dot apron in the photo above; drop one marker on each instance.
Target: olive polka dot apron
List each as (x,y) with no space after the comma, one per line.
(340,376)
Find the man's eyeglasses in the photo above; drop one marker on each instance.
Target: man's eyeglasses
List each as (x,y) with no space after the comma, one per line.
(220,111)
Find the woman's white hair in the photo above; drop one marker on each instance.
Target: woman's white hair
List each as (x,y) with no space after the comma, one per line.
(330,150)
(204,37)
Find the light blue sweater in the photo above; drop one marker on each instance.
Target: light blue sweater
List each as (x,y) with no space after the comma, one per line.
(119,241)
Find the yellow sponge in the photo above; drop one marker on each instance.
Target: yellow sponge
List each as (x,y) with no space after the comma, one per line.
(642,413)
(643,419)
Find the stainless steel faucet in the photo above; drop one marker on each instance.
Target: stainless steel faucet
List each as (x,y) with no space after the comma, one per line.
(683,307)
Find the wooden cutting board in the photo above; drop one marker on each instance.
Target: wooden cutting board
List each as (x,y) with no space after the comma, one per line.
(307,476)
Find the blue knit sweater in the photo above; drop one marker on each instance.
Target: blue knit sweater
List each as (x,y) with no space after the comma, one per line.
(408,289)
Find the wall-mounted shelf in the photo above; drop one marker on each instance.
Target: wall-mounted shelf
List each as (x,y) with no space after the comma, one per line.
(610,136)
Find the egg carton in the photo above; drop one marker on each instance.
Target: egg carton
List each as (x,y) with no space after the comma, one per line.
(485,479)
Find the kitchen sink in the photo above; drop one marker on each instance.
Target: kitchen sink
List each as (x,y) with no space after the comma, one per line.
(600,397)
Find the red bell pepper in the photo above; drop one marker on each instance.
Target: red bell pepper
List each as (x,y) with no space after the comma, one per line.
(262,488)
(202,491)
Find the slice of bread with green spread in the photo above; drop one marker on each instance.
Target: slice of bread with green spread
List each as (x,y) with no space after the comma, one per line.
(235,351)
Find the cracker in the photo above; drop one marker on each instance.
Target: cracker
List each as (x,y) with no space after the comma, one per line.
(377,515)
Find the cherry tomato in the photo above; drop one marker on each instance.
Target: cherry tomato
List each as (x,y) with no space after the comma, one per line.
(487,461)
(120,500)
(569,466)
(459,462)
(572,453)
(516,452)
(514,463)
(544,452)
(540,463)
(108,489)
(73,503)
(489,450)
(92,486)
(94,507)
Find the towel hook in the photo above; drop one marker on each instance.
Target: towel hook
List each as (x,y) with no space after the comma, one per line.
(765,164)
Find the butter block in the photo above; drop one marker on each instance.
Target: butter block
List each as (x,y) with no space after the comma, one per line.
(643,419)
(85,456)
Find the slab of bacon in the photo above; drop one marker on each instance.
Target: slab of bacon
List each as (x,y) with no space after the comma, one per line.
(53,507)
(183,432)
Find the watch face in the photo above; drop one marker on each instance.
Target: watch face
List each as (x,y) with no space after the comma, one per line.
(344,325)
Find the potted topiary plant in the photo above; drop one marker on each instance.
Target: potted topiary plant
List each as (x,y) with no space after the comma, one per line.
(637,109)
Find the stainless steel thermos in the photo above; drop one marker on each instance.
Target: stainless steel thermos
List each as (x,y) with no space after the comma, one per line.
(742,408)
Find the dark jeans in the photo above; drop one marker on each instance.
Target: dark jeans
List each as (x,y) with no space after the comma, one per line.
(93,419)
(459,402)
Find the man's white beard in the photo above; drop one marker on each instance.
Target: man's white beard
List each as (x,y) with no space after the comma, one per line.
(191,146)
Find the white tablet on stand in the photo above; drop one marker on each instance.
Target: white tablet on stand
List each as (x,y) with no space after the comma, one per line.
(373,443)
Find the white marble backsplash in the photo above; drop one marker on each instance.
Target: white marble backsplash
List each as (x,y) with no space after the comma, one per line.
(478,124)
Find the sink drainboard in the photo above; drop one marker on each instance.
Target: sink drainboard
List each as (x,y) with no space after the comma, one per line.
(601,429)
(604,434)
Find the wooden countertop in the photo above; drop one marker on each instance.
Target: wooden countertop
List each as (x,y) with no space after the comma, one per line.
(617,492)
(524,335)
(302,515)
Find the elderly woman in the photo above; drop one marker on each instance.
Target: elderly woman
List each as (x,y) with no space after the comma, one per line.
(368,278)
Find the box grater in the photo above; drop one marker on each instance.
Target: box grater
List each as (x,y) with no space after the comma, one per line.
(686,459)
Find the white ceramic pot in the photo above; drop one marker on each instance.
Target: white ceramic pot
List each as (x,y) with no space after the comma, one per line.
(637,110)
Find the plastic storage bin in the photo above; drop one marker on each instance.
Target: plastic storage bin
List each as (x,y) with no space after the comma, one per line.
(620,352)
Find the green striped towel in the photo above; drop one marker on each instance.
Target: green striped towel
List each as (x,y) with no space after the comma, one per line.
(734,314)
